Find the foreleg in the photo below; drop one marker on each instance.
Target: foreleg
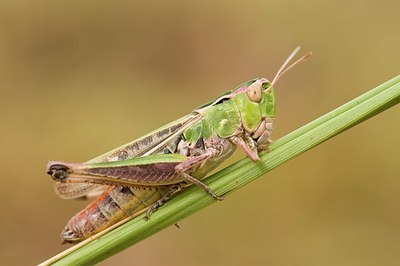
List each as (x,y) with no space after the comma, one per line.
(252,153)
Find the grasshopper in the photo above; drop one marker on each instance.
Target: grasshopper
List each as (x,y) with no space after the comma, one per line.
(147,172)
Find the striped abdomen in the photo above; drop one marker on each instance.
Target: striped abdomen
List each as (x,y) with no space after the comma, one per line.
(111,207)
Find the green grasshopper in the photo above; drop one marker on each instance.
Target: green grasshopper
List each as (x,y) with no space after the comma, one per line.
(150,170)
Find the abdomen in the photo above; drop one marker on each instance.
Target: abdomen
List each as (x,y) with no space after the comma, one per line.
(112,206)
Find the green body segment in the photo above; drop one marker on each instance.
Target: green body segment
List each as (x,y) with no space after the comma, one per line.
(226,118)
(223,118)
(141,161)
(268,105)
(251,112)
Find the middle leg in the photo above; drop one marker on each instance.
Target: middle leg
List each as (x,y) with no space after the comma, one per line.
(193,162)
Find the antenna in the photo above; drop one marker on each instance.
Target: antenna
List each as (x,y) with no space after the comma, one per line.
(285,66)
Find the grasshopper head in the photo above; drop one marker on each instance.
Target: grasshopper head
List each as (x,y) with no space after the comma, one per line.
(256,102)
(260,96)
(262,92)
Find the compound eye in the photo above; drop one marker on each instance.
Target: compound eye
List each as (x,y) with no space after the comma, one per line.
(254,91)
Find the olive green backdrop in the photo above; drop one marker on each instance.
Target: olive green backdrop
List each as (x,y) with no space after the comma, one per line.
(78,78)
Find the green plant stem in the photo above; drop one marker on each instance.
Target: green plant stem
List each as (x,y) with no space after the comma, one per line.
(239,174)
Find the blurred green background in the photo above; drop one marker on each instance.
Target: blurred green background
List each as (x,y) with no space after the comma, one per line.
(79,78)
